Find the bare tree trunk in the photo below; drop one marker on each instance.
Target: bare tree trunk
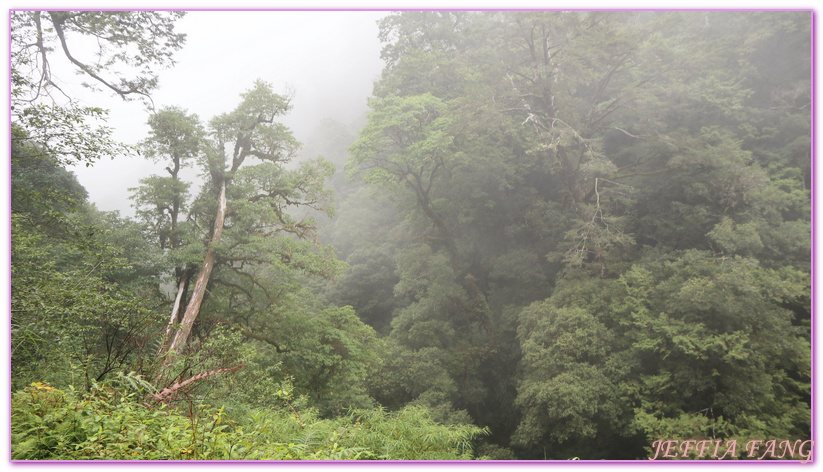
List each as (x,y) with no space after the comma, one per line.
(193,308)
(174,313)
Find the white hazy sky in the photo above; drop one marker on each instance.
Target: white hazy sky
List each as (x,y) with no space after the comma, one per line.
(329,60)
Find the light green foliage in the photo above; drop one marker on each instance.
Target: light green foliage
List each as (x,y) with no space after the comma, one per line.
(403,133)
(330,353)
(73,135)
(155,201)
(274,194)
(267,244)
(267,249)
(252,128)
(324,354)
(411,434)
(723,339)
(174,135)
(71,316)
(161,202)
(116,423)
(75,313)
(736,239)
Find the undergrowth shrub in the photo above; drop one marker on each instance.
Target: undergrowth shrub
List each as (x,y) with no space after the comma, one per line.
(118,420)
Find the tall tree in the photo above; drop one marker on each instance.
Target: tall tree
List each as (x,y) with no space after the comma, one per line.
(406,142)
(245,215)
(178,139)
(574,143)
(249,131)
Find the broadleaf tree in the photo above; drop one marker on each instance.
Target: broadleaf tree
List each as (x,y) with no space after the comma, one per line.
(578,148)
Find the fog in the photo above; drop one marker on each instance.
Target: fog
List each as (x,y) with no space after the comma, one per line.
(327,60)
(561,235)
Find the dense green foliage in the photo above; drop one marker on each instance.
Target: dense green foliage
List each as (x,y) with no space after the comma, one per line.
(556,235)
(112,423)
(75,301)
(599,225)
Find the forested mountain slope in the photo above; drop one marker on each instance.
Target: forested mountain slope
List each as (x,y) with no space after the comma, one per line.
(555,235)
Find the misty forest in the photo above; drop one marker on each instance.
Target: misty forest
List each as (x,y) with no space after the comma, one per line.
(554,235)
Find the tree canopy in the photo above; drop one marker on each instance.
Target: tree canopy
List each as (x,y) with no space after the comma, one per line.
(555,235)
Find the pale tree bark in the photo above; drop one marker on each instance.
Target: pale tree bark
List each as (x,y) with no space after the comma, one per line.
(246,143)
(199,292)
(174,314)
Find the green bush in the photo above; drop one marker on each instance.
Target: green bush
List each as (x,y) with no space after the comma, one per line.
(120,421)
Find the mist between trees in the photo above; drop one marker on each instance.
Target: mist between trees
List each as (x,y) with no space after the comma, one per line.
(556,235)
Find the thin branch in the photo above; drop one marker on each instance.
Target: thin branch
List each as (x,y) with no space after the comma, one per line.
(57,22)
(627,133)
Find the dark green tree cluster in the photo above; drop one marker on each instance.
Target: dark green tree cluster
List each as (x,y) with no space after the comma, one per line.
(557,235)
(588,230)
